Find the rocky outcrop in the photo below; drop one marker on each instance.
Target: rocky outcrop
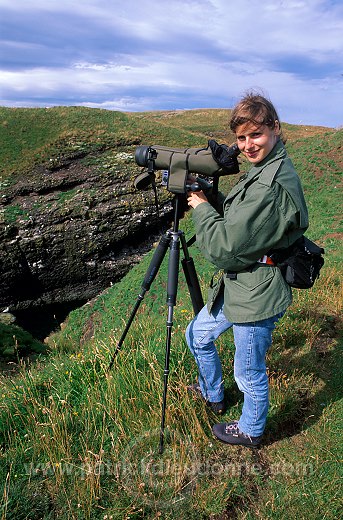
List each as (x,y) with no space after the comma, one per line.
(72,227)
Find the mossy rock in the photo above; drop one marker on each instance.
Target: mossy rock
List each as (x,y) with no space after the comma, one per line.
(17,343)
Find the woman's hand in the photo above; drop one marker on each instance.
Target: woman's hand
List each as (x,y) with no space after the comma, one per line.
(195,198)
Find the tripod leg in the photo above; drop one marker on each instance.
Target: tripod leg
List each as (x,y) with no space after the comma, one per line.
(150,275)
(173,274)
(191,278)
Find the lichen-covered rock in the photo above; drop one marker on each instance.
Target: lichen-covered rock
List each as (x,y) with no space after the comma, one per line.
(69,230)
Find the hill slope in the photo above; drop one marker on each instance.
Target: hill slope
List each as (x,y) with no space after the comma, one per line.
(78,441)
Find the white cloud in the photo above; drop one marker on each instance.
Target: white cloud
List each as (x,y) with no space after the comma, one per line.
(143,54)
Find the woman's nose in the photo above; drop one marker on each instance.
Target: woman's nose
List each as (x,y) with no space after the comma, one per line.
(248,142)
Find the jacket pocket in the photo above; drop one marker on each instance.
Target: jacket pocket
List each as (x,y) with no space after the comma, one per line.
(256,295)
(254,280)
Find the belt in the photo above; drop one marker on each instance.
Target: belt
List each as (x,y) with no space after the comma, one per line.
(265,260)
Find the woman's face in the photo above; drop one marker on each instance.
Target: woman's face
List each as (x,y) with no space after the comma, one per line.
(257,141)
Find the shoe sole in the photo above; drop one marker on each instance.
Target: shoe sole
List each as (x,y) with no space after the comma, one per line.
(251,446)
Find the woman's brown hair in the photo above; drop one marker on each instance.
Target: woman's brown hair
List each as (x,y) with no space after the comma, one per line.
(256,109)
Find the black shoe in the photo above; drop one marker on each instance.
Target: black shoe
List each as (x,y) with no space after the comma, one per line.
(218,407)
(230,434)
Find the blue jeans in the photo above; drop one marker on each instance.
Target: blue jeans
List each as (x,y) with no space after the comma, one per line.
(252,341)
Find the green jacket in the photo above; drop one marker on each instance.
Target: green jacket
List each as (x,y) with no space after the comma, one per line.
(265,210)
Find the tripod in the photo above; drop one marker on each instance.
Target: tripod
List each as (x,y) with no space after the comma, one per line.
(172,240)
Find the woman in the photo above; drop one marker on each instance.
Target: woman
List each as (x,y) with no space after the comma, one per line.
(266,210)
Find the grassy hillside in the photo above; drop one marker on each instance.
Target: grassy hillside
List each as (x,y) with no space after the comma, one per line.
(34,136)
(80,442)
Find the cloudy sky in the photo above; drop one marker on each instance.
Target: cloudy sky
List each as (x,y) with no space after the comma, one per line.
(137,55)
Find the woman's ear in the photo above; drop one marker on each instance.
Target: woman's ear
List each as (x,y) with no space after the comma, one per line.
(277,127)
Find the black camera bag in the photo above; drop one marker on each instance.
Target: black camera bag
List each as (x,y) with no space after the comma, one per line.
(301,263)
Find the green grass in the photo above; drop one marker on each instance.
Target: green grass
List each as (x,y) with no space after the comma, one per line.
(80,442)
(52,135)
(33,135)
(87,439)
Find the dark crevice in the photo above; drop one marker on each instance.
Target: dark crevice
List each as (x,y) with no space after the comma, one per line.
(42,321)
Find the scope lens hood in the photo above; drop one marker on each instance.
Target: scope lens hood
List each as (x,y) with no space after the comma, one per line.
(142,155)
